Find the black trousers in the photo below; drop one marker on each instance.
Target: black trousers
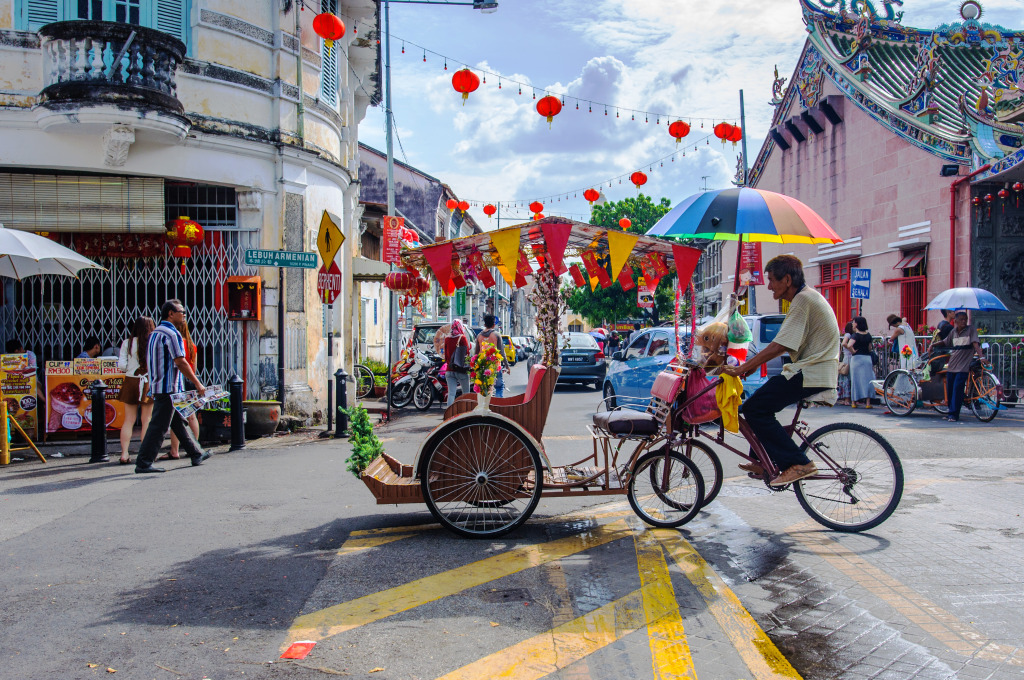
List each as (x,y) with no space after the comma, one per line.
(759,411)
(164,416)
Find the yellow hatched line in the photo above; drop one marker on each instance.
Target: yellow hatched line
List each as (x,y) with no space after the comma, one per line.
(762,657)
(369,608)
(670,652)
(552,650)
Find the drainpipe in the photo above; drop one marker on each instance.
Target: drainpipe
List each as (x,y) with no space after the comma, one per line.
(952,220)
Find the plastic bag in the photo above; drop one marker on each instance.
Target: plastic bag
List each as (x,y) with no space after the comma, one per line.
(723,340)
(739,331)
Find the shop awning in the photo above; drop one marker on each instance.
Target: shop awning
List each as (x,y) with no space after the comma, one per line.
(364,269)
(911,259)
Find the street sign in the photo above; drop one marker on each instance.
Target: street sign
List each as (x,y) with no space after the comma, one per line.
(860,283)
(328,283)
(280,258)
(460,303)
(644,298)
(329,238)
(391,244)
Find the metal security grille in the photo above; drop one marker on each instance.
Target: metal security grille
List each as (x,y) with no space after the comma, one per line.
(53,315)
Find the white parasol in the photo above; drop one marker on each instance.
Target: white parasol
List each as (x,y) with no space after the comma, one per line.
(23,253)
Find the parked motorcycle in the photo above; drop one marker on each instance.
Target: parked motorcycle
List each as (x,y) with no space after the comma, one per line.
(432,386)
(406,375)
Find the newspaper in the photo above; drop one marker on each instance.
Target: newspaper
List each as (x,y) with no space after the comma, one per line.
(187,403)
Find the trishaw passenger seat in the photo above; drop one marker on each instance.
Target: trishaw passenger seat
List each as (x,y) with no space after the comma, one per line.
(627,422)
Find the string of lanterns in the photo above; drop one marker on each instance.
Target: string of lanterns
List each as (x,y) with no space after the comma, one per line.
(984,203)
(466,81)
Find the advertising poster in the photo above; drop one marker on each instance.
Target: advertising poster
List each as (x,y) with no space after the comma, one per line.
(750,264)
(68,405)
(391,244)
(18,383)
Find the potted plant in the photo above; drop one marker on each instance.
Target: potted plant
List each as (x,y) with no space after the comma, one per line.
(261,417)
(215,422)
(380,376)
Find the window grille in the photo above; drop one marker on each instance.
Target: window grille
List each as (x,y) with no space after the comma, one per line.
(211,206)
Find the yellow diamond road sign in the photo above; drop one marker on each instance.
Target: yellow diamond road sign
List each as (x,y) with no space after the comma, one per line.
(330,237)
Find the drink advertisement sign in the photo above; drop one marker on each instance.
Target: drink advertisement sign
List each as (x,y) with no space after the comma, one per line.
(68,401)
(18,383)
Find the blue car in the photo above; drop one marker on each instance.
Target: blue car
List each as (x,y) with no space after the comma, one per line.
(632,370)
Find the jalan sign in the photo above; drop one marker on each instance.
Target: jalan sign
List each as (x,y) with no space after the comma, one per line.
(328,283)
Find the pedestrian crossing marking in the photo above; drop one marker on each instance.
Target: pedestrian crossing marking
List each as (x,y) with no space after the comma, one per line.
(670,652)
(762,657)
(348,615)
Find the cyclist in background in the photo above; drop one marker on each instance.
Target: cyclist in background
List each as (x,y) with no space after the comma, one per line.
(964,343)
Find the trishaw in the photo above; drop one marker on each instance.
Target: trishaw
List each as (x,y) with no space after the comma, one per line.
(903,390)
(482,471)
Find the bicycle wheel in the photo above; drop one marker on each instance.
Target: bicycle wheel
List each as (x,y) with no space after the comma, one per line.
(364,381)
(864,490)
(665,491)
(401,395)
(423,395)
(480,478)
(900,392)
(706,460)
(983,395)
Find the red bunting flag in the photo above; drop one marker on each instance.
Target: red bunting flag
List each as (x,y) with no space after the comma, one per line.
(556,238)
(626,279)
(577,276)
(595,269)
(651,275)
(439,258)
(686,263)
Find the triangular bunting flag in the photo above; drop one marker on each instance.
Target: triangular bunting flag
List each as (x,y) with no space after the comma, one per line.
(686,263)
(439,258)
(620,245)
(556,238)
(506,243)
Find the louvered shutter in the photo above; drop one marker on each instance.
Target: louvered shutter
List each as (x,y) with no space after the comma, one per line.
(41,12)
(171,16)
(329,61)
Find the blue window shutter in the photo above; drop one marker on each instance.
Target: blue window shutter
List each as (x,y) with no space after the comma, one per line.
(38,13)
(171,16)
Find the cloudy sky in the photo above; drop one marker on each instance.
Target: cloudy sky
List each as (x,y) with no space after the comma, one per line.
(686,58)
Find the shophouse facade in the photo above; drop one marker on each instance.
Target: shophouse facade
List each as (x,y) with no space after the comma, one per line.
(117,116)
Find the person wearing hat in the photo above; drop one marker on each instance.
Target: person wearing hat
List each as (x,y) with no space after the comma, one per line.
(903,336)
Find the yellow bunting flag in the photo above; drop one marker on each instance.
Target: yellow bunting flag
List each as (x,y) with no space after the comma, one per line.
(620,245)
(506,243)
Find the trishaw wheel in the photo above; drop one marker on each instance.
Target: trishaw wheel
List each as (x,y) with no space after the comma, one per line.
(706,460)
(900,392)
(481,478)
(666,489)
(859,481)
(983,394)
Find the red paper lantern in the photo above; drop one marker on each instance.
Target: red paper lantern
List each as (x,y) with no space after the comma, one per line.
(465,81)
(549,107)
(591,195)
(625,223)
(679,129)
(638,178)
(735,135)
(722,131)
(989,198)
(451,204)
(536,206)
(538,216)
(975,201)
(1017,186)
(1003,193)
(328,27)
(184,233)
(489,210)
(463,206)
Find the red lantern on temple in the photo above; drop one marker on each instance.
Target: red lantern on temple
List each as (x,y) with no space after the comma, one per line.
(328,27)
(722,131)
(183,234)
(451,204)
(735,135)
(591,195)
(463,206)
(489,210)
(1003,195)
(465,81)
(549,107)
(679,129)
(625,223)
(1017,188)
(638,178)
(988,202)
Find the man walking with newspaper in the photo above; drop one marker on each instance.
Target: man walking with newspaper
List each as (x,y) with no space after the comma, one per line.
(167,365)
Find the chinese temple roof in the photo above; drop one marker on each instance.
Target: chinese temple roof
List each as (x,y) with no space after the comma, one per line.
(954,90)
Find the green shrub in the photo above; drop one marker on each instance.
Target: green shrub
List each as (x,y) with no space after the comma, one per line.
(365,445)
(380,371)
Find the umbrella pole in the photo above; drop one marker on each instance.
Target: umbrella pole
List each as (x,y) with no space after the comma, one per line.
(736,278)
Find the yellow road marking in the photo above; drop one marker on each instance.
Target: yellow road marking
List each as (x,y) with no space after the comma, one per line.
(670,652)
(756,649)
(375,606)
(552,650)
(365,542)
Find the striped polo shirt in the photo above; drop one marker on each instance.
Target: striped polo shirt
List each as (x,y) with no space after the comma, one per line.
(165,345)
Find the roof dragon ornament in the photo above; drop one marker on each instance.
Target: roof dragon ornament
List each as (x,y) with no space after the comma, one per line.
(858,7)
(778,93)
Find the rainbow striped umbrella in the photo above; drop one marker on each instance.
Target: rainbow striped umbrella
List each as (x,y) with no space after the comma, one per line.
(745,215)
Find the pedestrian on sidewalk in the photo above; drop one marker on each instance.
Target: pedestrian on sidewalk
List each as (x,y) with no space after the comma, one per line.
(165,357)
(862,370)
(191,355)
(903,336)
(964,343)
(456,355)
(135,389)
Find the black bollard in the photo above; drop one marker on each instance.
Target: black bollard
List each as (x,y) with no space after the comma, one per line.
(237,413)
(98,394)
(341,392)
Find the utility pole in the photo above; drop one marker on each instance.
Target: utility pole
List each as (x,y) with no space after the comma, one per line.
(751,290)
(704,178)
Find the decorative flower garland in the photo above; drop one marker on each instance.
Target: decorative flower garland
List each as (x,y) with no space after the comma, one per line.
(550,306)
(484,368)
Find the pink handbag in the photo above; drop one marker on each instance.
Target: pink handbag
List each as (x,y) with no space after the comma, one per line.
(705,407)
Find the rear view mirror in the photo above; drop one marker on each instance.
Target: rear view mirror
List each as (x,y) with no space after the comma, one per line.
(617,356)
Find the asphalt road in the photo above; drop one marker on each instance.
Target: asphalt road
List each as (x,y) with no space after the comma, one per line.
(210,572)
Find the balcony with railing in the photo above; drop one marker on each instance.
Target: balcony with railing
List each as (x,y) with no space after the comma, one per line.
(98,74)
